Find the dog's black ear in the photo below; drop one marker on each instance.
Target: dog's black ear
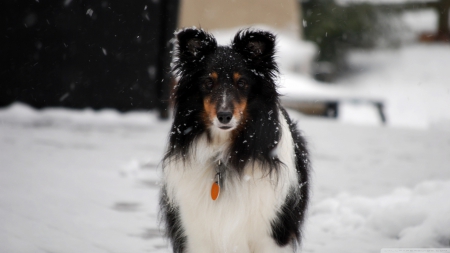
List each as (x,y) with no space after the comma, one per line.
(258,46)
(194,44)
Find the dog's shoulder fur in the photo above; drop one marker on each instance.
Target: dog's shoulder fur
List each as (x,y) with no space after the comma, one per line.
(227,110)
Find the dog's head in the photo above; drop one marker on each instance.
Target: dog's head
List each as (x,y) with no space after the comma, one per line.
(225,82)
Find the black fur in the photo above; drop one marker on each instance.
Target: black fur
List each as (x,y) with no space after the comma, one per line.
(290,220)
(171,217)
(251,53)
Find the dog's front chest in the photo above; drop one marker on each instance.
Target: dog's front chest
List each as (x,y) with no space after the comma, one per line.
(241,212)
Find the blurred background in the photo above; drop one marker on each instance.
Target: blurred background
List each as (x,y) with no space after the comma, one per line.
(85,112)
(113,54)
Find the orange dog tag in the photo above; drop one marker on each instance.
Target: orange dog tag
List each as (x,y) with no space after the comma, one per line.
(215,191)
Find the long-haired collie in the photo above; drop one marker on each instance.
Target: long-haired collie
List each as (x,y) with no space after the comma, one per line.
(235,175)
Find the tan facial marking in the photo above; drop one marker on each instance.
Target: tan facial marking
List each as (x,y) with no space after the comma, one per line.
(214,76)
(236,76)
(210,110)
(239,109)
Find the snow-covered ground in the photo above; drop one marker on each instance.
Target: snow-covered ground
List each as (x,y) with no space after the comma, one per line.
(79,181)
(84,181)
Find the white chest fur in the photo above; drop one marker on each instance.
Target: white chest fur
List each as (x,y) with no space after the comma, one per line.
(240,219)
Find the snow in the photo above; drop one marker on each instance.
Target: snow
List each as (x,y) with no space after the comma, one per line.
(87,181)
(70,181)
(419,21)
(363,113)
(89,12)
(405,218)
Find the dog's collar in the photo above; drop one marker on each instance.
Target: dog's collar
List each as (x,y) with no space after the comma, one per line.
(217,186)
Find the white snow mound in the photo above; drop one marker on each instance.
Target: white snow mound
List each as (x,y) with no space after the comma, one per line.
(412,218)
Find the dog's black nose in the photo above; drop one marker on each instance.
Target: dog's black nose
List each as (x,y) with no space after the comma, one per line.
(224,117)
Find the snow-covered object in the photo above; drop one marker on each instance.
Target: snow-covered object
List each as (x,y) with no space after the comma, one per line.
(412,80)
(359,112)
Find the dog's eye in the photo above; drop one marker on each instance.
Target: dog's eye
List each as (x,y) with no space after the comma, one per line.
(208,83)
(242,83)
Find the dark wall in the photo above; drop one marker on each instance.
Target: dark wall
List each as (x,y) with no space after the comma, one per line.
(97,54)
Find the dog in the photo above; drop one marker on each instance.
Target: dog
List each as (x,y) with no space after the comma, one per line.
(235,173)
